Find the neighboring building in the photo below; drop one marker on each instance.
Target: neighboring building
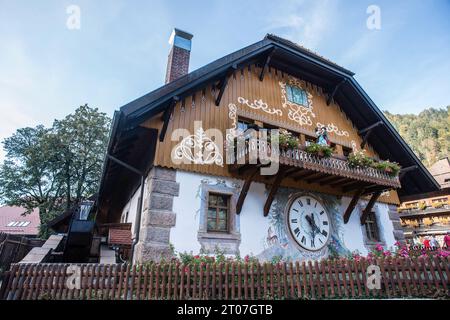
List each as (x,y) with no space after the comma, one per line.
(13,221)
(194,199)
(429,213)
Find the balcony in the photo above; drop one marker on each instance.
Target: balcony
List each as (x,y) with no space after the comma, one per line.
(298,164)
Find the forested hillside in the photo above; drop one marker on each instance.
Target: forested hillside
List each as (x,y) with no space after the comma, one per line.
(428,133)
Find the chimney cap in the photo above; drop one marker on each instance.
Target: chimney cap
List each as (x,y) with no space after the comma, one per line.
(181,39)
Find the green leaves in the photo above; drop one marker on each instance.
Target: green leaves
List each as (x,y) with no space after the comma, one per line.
(50,168)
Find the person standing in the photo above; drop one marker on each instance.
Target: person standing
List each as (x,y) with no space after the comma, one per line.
(434,243)
(447,240)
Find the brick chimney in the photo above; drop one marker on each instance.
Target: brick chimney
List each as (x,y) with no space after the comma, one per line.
(178,60)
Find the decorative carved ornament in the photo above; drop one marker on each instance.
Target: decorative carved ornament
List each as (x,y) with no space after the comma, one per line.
(260,105)
(199,149)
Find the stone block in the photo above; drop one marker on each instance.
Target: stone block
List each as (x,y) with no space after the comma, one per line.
(148,251)
(164,187)
(159,218)
(399,235)
(155,234)
(160,202)
(163,174)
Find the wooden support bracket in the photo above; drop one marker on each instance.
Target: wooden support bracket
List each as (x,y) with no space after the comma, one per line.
(266,64)
(336,88)
(352,204)
(166,117)
(223,84)
(273,190)
(245,187)
(367,132)
(369,206)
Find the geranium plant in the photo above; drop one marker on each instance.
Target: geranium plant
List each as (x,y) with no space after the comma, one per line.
(287,140)
(391,168)
(319,150)
(359,159)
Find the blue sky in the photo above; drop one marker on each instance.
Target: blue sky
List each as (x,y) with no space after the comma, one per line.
(120,51)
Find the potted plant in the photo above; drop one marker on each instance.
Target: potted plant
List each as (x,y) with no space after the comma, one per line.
(319,150)
(391,168)
(359,159)
(287,140)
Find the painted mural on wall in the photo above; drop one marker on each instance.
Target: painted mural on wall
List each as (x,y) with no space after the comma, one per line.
(278,243)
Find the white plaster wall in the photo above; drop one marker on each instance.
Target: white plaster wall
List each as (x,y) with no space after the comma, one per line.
(253,225)
(131,207)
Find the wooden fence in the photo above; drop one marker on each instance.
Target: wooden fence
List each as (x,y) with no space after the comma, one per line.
(327,279)
(14,248)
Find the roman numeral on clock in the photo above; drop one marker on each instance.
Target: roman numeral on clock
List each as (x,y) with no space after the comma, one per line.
(297,231)
(325,223)
(300,203)
(308,201)
(312,243)
(324,233)
(294,220)
(303,240)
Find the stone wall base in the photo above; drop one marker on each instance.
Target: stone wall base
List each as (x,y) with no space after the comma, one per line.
(157,216)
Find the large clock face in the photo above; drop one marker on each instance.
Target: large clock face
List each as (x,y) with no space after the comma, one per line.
(308,223)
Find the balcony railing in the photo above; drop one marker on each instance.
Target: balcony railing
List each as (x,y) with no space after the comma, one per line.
(304,160)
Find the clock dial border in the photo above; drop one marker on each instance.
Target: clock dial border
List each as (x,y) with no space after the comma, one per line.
(291,200)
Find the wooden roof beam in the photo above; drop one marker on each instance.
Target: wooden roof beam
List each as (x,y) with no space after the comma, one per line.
(166,117)
(223,83)
(353,186)
(336,88)
(266,64)
(403,171)
(369,206)
(305,173)
(353,204)
(316,176)
(331,179)
(367,132)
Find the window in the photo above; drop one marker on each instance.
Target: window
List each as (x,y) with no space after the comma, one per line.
(297,95)
(346,151)
(371,226)
(218,212)
(18,224)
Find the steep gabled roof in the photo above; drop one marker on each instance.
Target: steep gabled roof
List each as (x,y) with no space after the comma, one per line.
(303,63)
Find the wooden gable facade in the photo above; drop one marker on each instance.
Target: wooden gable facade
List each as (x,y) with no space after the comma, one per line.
(249,98)
(249,85)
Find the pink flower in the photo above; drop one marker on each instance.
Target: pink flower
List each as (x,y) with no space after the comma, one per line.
(379,247)
(247,258)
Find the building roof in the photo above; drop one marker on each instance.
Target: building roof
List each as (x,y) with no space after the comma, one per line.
(441,172)
(287,57)
(13,221)
(119,237)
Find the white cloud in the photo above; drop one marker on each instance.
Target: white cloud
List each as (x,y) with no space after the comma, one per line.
(303,22)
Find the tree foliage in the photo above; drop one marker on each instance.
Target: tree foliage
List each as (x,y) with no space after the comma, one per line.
(428,133)
(51,168)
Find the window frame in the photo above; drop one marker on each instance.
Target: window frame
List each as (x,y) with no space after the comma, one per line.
(217,218)
(290,95)
(371,227)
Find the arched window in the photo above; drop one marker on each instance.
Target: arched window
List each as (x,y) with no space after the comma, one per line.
(297,95)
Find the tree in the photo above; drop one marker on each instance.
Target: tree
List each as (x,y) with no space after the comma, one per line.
(51,168)
(428,133)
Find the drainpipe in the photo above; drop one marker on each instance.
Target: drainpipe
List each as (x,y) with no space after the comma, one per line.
(137,220)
